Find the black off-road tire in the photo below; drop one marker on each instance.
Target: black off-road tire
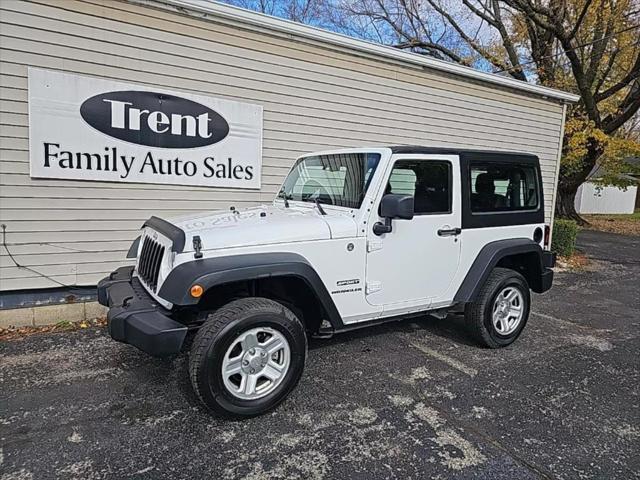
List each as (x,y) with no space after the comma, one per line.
(216,335)
(478,314)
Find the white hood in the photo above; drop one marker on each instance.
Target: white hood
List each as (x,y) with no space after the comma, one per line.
(264,225)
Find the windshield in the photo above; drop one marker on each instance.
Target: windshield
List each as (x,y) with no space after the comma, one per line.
(340,179)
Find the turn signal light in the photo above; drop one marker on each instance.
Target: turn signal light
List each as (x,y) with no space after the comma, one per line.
(196,291)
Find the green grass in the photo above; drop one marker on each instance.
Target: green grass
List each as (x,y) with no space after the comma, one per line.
(64,324)
(626,216)
(628,224)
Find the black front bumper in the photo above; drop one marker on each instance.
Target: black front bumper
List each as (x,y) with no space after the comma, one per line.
(136,318)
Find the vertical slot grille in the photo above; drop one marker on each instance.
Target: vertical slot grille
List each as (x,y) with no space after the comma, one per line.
(149,262)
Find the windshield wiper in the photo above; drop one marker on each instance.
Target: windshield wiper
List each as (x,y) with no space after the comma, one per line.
(282,194)
(319,205)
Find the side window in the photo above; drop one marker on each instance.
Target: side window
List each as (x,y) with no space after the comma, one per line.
(428,181)
(503,187)
(402,181)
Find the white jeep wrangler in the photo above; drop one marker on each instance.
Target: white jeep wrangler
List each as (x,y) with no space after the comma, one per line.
(355,237)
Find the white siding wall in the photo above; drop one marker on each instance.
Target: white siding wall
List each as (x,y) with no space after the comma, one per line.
(314,97)
(592,198)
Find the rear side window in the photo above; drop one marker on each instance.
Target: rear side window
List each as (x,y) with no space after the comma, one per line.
(428,181)
(503,187)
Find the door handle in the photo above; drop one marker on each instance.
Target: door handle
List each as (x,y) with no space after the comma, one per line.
(448,232)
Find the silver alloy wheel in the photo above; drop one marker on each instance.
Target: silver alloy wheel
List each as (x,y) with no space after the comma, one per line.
(256,363)
(508,310)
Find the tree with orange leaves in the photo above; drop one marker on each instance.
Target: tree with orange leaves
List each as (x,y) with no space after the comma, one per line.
(590,47)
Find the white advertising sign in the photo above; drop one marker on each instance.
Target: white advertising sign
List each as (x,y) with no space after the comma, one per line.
(83,128)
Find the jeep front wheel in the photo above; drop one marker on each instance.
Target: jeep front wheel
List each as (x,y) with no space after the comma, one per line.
(501,310)
(247,357)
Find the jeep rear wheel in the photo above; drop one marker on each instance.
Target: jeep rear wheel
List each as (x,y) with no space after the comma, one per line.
(247,357)
(498,316)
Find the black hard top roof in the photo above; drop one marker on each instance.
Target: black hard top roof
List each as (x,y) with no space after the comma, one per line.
(409,149)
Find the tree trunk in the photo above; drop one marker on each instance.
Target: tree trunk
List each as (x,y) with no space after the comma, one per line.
(565,204)
(569,183)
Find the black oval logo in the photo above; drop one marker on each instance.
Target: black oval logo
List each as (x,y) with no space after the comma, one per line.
(154,119)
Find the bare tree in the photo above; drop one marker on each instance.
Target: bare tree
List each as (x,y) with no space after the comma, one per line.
(303,11)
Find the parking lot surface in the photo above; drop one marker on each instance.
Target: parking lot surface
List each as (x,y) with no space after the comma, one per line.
(409,400)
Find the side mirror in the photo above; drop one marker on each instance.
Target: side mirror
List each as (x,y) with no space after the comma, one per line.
(393,206)
(396,206)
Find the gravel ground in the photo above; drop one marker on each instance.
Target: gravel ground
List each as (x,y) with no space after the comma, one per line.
(414,399)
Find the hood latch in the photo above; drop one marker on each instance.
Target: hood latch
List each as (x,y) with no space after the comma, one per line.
(197,246)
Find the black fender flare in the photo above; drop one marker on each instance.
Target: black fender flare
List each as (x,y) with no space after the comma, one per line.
(489,257)
(213,271)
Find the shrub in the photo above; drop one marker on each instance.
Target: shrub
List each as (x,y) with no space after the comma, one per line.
(564,237)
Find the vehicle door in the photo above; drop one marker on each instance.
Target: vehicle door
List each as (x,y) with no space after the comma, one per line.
(416,262)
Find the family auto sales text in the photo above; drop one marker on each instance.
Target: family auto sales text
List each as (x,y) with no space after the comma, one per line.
(112,161)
